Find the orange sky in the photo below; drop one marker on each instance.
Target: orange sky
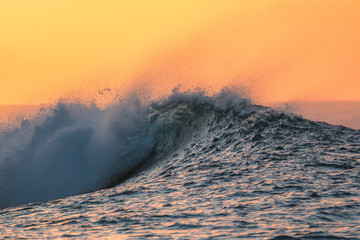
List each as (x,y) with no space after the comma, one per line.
(283,50)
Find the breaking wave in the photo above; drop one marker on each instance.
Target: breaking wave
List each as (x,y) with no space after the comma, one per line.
(73,148)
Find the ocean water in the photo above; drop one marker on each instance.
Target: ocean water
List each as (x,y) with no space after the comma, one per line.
(189,166)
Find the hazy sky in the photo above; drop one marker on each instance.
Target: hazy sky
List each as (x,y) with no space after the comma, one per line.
(282,50)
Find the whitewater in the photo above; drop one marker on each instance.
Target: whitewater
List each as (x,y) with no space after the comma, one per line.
(190,165)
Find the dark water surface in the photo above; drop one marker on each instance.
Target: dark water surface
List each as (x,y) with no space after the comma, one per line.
(216,168)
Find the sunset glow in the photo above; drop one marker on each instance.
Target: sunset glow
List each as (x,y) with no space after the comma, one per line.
(185,119)
(282,50)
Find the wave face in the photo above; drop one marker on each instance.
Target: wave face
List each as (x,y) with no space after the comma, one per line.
(211,165)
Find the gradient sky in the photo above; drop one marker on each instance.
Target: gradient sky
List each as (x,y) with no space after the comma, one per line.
(282,50)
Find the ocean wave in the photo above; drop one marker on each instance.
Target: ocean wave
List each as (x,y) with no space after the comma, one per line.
(73,148)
